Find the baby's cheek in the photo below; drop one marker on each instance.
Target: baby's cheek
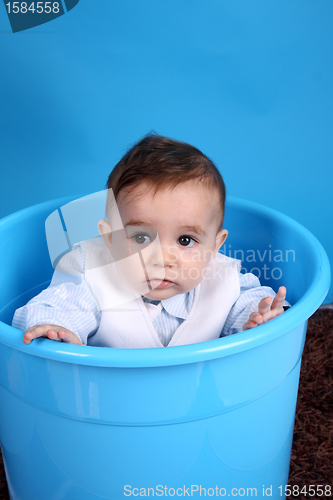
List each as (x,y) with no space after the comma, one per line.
(194,271)
(174,274)
(192,257)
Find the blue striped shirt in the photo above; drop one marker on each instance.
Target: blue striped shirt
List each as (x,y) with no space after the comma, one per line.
(170,314)
(68,302)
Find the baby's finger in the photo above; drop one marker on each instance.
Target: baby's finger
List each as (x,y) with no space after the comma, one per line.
(33,333)
(254,320)
(256,317)
(279,298)
(27,337)
(53,335)
(69,337)
(265,305)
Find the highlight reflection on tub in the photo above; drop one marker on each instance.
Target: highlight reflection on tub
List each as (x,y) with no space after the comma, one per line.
(97,423)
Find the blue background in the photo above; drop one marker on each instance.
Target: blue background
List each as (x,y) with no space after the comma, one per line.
(247,81)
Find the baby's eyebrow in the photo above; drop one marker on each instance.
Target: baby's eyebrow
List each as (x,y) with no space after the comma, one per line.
(190,229)
(193,229)
(137,223)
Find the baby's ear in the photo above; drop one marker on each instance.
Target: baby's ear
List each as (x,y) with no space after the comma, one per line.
(220,239)
(104,230)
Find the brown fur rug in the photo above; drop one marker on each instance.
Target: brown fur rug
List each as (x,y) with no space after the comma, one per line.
(312,452)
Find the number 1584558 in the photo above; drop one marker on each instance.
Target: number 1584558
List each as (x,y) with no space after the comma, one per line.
(38,7)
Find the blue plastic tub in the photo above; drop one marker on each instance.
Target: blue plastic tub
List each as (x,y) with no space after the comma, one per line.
(205,420)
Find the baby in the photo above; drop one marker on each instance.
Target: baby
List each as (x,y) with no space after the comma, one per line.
(154,278)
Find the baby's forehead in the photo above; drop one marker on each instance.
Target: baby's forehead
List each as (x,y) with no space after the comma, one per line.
(202,197)
(188,189)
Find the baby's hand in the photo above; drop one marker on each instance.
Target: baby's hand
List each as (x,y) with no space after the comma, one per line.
(53,332)
(268,309)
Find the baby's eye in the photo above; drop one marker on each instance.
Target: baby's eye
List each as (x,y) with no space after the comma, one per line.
(186,241)
(141,238)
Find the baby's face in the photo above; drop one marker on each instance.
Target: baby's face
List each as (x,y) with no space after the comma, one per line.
(175,230)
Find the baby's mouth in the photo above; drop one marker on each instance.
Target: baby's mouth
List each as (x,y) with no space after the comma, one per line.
(158,284)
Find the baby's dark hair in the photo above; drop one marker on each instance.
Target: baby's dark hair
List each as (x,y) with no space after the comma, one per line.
(161,163)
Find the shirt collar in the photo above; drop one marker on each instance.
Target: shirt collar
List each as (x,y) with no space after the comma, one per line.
(179,305)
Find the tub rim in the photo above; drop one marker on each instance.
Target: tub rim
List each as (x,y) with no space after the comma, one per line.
(192,353)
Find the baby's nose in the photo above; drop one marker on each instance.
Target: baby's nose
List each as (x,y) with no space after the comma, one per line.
(160,254)
(169,255)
